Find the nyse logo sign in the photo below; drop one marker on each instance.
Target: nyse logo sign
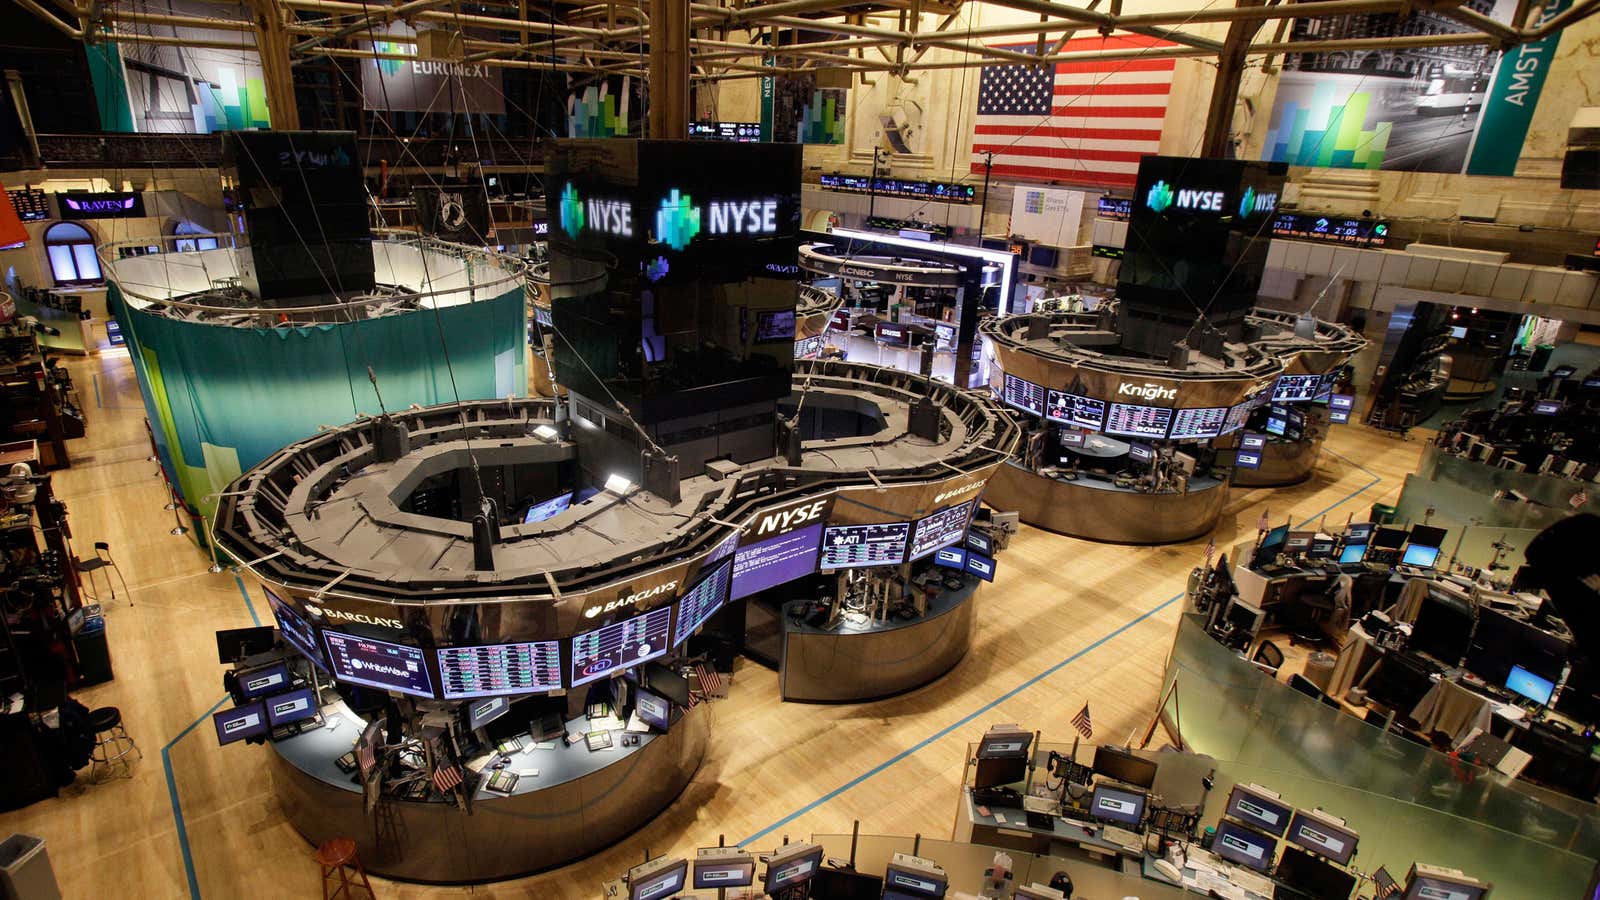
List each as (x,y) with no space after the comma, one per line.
(1146,391)
(1252,203)
(1163,196)
(680,220)
(627,600)
(612,217)
(784,521)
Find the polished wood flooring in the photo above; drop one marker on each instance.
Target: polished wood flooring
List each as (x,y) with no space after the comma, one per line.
(1066,622)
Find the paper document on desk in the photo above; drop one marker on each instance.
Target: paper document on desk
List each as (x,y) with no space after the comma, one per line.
(1512,764)
(1222,887)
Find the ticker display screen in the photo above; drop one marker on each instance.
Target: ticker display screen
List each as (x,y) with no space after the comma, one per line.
(1138,421)
(1076,409)
(858,546)
(495,669)
(615,648)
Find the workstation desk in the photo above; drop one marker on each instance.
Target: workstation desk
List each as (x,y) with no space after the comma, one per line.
(580,802)
(1094,507)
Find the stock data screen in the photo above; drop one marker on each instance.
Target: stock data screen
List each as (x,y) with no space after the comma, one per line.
(495,669)
(1074,409)
(1205,422)
(1024,394)
(1296,388)
(702,601)
(856,546)
(605,651)
(1138,421)
(941,529)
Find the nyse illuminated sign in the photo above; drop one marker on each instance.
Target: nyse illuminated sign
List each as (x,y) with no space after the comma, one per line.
(604,215)
(677,218)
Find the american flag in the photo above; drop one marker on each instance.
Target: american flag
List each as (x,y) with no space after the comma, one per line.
(446,774)
(1263,524)
(1211,547)
(1084,122)
(710,681)
(1081,722)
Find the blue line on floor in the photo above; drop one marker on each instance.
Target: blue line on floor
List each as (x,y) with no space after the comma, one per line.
(177,808)
(247,604)
(967,719)
(95,377)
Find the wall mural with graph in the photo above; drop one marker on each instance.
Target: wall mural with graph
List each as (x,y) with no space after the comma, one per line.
(605,107)
(794,109)
(1430,109)
(185,90)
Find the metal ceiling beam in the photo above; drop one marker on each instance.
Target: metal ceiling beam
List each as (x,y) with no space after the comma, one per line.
(50,17)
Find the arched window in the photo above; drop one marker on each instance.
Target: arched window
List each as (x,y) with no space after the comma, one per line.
(71,251)
(184,245)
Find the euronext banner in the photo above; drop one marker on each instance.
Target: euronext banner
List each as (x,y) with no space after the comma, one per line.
(1509,109)
(401,81)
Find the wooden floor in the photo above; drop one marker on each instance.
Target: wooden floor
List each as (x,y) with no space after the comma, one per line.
(1066,622)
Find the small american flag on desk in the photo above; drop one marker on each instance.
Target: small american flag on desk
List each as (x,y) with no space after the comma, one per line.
(1081,722)
(1084,122)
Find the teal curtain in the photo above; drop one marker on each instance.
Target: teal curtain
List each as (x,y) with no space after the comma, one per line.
(110,87)
(222,399)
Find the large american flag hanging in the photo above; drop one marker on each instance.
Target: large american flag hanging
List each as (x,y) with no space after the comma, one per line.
(1082,122)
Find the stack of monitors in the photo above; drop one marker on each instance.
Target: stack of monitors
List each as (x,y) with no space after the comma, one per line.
(1253,821)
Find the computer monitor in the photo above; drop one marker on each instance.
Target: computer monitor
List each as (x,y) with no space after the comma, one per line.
(792,864)
(1298,541)
(1275,537)
(263,680)
(1259,808)
(845,884)
(980,541)
(234,644)
(724,867)
(1244,845)
(1002,741)
(240,722)
(1358,533)
(1276,425)
(658,879)
(1124,766)
(481,712)
(1321,548)
(1323,835)
(1389,538)
(1428,535)
(653,709)
(1433,883)
(667,682)
(951,558)
(1243,616)
(979,565)
(1530,685)
(1442,629)
(912,878)
(1419,556)
(1313,876)
(293,706)
(1353,553)
(1500,642)
(1111,804)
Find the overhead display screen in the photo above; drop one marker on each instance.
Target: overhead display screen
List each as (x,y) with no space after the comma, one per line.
(1296,388)
(378,664)
(702,601)
(856,546)
(295,629)
(495,669)
(775,560)
(1206,422)
(941,529)
(1332,229)
(1138,421)
(1023,394)
(1074,409)
(605,651)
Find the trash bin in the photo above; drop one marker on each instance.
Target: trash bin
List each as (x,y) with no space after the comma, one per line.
(1382,514)
(25,871)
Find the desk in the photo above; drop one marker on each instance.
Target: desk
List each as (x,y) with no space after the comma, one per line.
(1100,511)
(1099,446)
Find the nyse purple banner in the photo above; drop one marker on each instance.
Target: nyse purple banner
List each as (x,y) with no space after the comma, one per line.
(775,560)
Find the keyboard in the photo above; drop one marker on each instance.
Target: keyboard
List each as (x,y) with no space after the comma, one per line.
(1253,882)
(1123,838)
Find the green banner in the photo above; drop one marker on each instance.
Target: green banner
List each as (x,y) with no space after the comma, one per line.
(1508,111)
(769,89)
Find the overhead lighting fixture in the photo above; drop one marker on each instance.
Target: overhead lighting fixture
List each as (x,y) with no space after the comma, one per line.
(616,484)
(546,433)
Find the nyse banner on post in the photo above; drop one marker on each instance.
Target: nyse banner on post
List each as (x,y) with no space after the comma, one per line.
(400,80)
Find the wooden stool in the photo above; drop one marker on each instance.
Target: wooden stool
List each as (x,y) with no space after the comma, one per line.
(337,856)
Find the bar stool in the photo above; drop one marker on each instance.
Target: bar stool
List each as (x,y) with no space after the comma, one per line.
(102,560)
(337,857)
(111,744)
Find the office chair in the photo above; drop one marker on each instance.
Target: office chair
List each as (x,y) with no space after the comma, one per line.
(101,560)
(1268,658)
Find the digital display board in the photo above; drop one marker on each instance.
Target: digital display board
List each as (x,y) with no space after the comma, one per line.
(737,132)
(1023,394)
(247,721)
(295,629)
(947,192)
(1296,388)
(941,529)
(1205,422)
(1330,229)
(623,645)
(1075,409)
(775,560)
(857,546)
(378,664)
(702,601)
(1237,416)
(1138,421)
(555,506)
(1114,208)
(31,204)
(491,670)
(293,706)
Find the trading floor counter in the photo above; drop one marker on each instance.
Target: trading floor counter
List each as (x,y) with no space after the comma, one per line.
(1097,509)
(861,660)
(568,802)
(1283,462)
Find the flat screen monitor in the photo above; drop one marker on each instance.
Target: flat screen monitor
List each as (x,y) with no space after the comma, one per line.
(1389,538)
(653,709)
(1442,629)
(1071,437)
(1253,441)
(1138,421)
(1243,845)
(1023,394)
(1419,556)
(1341,401)
(951,558)
(913,879)
(1358,533)
(1322,836)
(234,644)
(1296,388)
(546,509)
(1075,409)
(778,559)
(1124,766)
(1258,808)
(658,879)
(296,629)
(981,542)
(843,884)
(941,529)
(1191,424)
(1247,459)
(481,712)
(1428,536)
(614,648)
(862,546)
(263,680)
(701,602)
(1275,538)
(489,670)
(1546,407)
(792,864)
(724,867)
(1563,372)
(1530,685)
(1434,884)
(1353,553)
(1111,804)
(1276,425)
(776,325)
(1500,642)
(1321,548)
(1298,541)
(980,565)
(240,722)
(293,706)
(1141,452)
(668,682)
(1458,331)
(1593,381)
(378,664)
(1314,877)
